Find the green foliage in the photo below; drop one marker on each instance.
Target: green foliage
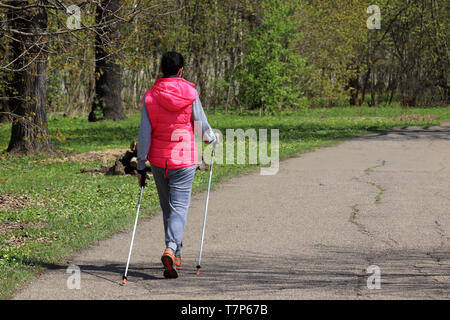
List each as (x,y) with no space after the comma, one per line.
(269,55)
(417,34)
(272,69)
(333,32)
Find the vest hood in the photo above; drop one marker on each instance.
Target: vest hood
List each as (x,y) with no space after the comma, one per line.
(174,94)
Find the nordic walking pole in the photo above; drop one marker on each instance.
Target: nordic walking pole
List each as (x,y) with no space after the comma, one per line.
(124,278)
(206,210)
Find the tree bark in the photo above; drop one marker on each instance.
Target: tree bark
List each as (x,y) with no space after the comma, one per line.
(364,87)
(4,106)
(29,133)
(108,82)
(354,87)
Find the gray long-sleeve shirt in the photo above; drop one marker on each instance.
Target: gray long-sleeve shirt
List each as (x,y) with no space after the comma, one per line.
(145,131)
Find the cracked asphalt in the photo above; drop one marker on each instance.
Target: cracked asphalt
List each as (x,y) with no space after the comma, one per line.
(308,232)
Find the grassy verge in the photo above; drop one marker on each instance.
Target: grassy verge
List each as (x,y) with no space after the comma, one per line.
(61,211)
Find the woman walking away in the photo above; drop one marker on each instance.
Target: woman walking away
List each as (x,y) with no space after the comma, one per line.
(167,141)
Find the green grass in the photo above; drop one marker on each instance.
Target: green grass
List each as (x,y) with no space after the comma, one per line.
(70,211)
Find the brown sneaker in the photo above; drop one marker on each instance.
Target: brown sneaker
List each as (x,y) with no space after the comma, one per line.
(168,260)
(178,263)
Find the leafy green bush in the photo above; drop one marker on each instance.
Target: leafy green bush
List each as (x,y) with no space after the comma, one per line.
(271,70)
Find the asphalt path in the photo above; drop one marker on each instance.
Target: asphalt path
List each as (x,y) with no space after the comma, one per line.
(328,225)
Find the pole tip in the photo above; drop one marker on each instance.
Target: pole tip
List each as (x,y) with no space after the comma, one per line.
(198,270)
(124,280)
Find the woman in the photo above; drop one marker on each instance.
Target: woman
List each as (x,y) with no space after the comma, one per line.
(167,141)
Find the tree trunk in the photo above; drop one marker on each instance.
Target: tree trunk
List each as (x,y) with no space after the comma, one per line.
(4,106)
(364,87)
(108,81)
(372,91)
(354,87)
(4,92)
(29,133)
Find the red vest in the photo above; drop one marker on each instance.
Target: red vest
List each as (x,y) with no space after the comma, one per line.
(169,107)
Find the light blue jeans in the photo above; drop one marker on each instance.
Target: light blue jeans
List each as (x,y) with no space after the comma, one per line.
(174,191)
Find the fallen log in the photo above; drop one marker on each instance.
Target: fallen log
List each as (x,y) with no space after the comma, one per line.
(127,164)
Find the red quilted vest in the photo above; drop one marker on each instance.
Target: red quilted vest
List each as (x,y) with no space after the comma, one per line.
(169,107)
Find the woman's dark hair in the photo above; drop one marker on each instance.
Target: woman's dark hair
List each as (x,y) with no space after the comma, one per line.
(171,62)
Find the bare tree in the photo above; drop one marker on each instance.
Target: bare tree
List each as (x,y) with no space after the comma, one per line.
(25,28)
(27,90)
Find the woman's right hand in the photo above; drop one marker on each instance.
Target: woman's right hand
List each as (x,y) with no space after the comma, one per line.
(141,175)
